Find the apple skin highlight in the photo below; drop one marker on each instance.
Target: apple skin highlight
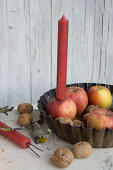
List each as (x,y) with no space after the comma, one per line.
(100,96)
(100,119)
(79,96)
(57,108)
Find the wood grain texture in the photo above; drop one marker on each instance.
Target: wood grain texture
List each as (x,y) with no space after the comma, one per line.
(40,34)
(15,58)
(28,45)
(4,58)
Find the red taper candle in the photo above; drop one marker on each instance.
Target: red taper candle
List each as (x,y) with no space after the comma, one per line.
(62,58)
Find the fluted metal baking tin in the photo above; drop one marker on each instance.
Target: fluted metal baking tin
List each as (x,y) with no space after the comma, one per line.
(97,138)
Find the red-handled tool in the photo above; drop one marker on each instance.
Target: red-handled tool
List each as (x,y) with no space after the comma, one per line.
(17,138)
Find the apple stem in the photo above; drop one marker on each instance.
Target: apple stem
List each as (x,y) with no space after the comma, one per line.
(107,111)
(74,90)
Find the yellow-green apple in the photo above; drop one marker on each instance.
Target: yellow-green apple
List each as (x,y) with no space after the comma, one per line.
(57,108)
(79,96)
(100,96)
(100,119)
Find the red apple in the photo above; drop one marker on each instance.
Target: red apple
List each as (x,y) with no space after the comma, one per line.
(57,108)
(100,96)
(79,96)
(100,119)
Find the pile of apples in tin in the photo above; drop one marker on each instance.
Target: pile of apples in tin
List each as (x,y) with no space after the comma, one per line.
(91,107)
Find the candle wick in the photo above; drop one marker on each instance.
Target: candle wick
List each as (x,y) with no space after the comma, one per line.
(63,17)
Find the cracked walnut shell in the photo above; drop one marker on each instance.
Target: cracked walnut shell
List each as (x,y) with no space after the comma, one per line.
(91,108)
(82,150)
(25,108)
(65,120)
(63,157)
(78,123)
(85,117)
(25,119)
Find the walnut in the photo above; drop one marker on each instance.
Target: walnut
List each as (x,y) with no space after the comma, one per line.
(82,150)
(91,108)
(77,118)
(65,120)
(63,157)
(25,108)
(85,117)
(78,123)
(25,119)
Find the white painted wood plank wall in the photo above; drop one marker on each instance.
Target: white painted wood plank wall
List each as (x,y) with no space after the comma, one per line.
(28,45)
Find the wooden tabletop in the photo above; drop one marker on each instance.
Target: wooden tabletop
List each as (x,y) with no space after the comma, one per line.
(13,157)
